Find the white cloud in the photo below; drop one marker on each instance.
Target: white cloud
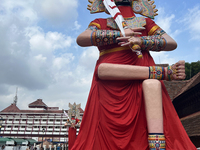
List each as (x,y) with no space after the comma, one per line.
(62,61)
(89,57)
(57,12)
(20,9)
(192,22)
(35,59)
(48,42)
(163,58)
(76,25)
(165,21)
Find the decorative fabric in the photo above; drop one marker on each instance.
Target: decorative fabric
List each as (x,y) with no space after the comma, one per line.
(114,116)
(145,8)
(104,37)
(92,28)
(132,22)
(156,142)
(124,24)
(95,24)
(156,30)
(153,43)
(96,6)
(159,32)
(156,72)
(170,73)
(137,8)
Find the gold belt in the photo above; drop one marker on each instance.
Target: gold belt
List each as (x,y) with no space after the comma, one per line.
(114,50)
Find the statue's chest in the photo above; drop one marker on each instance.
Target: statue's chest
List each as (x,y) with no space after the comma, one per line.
(132,22)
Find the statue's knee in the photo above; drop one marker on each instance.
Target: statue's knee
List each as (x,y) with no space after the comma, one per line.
(151,83)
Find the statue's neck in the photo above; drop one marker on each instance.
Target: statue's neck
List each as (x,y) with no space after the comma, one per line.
(126,11)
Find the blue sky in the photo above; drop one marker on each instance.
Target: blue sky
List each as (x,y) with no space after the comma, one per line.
(39,54)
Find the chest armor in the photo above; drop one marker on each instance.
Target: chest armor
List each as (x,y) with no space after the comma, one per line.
(132,22)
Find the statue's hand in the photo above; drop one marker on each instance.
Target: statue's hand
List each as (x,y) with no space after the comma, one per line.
(130,40)
(133,31)
(176,71)
(131,37)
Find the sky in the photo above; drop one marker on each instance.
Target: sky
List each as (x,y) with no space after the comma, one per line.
(41,60)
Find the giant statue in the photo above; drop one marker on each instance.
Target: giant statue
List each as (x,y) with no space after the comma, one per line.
(128,107)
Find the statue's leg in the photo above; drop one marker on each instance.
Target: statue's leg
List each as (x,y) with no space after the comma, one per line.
(154,113)
(152,93)
(108,71)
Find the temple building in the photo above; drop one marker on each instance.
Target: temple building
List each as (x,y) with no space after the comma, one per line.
(38,122)
(186,99)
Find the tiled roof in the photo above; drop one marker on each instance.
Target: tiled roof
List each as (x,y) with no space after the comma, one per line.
(11,108)
(191,83)
(176,88)
(37,103)
(191,124)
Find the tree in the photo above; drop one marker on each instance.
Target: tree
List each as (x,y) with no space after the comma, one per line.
(191,69)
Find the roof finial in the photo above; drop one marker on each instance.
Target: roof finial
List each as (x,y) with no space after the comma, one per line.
(15,98)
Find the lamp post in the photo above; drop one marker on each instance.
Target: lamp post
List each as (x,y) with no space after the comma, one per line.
(65,141)
(43,130)
(1,122)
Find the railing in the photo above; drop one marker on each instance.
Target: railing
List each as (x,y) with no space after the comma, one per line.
(20,132)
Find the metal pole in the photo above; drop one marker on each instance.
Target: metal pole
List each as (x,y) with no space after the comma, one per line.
(42,142)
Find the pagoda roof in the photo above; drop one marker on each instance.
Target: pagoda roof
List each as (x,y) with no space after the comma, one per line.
(11,108)
(37,104)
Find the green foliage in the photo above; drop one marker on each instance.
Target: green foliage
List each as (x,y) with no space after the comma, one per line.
(191,69)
